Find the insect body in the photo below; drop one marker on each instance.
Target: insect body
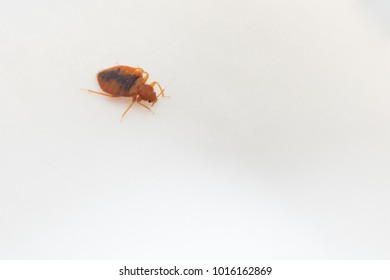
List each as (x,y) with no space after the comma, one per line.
(128,82)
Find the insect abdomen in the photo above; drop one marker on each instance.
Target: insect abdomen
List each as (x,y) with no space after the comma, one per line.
(117,82)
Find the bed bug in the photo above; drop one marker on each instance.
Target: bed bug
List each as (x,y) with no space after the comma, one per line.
(130,82)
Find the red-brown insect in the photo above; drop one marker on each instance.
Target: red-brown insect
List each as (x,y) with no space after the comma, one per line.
(128,82)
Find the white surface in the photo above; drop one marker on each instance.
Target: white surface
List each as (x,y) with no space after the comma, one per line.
(275,143)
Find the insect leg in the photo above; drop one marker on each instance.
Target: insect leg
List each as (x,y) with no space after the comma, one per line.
(146,76)
(128,108)
(159,86)
(101,93)
(143,105)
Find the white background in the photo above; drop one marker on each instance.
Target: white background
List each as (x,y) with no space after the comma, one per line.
(275,143)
